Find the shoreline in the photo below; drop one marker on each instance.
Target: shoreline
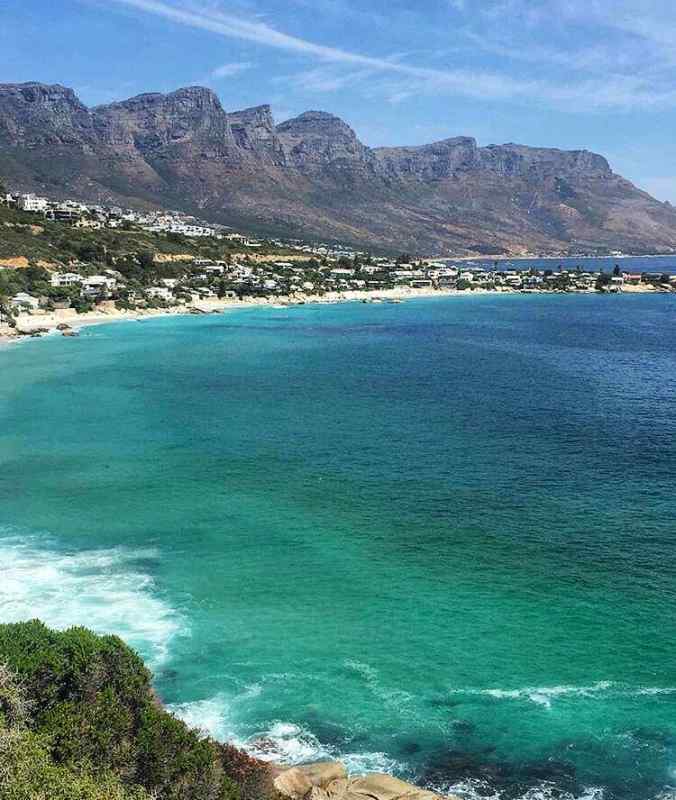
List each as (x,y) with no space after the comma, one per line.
(47,324)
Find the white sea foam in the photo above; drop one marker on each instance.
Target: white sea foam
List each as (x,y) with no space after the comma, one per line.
(211,716)
(281,742)
(101,589)
(395,699)
(480,790)
(546,695)
(286,743)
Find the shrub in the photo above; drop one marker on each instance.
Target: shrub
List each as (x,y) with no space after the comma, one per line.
(81,717)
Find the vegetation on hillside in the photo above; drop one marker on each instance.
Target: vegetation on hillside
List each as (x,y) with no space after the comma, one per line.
(79,721)
(28,235)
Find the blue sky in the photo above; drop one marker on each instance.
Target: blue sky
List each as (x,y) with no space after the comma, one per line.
(595,74)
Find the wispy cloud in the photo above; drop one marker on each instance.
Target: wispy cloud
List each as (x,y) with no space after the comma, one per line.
(253,31)
(229,70)
(598,88)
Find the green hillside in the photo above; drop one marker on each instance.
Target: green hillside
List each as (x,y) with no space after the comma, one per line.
(32,237)
(79,721)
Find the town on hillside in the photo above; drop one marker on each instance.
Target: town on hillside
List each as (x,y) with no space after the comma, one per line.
(79,258)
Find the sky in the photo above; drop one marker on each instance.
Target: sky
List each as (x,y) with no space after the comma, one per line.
(576,74)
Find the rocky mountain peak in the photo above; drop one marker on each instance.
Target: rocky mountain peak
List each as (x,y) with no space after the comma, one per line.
(189,99)
(38,113)
(154,121)
(316,139)
(33,92)
(317,124)
(254,131)
(312,175)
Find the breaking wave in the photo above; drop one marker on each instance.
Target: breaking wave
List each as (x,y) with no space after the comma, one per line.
(105,590)
(281,742)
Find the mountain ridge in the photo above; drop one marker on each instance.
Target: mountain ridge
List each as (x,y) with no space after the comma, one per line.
(311,176)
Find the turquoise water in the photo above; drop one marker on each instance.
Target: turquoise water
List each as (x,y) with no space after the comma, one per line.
(434,538)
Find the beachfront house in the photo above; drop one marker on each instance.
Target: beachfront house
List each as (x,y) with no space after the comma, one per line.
(160,293)
(98,285)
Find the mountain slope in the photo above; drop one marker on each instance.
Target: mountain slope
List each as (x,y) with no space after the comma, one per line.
(311,176)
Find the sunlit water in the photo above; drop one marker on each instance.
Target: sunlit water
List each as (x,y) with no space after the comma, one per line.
(434,538)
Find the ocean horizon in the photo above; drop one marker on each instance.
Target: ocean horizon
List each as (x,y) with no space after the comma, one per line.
(434,539)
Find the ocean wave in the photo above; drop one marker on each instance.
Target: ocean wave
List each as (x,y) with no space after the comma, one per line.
(105,590)
(545,695)
(481,790)
(281,742)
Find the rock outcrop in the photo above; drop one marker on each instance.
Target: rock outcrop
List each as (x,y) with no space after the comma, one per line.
(330,781)
(311,176)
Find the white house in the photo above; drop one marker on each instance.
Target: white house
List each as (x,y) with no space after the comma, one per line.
(30,202)
(23,300)
(160,293)
(98,284)
(60,279)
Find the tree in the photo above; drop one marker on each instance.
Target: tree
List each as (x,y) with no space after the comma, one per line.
(78,719)
(146,259)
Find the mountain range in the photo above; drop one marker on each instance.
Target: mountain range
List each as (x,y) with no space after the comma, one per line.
(311,177)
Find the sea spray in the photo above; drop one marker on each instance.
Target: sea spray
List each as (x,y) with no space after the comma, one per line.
(105,590)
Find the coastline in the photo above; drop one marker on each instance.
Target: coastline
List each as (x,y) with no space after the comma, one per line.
(51,323)
(508,694)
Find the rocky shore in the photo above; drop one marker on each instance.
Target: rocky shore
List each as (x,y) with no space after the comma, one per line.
(330,781)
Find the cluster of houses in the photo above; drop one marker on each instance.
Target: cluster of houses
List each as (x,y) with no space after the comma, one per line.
(314,269)
(205,279)
(97,217)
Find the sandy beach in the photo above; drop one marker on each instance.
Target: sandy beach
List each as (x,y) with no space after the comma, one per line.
(52,322)
(48,322)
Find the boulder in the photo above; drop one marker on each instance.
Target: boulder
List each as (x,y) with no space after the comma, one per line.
(337,788)
(299,782)
(293,783)
(323,773)
(329,781)
(377,787)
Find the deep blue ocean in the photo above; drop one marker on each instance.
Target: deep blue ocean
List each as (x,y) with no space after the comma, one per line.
(435,538)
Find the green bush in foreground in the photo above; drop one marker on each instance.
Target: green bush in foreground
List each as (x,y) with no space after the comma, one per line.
(79,721)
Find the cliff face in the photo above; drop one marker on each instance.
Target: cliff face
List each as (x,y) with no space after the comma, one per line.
(312,176)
